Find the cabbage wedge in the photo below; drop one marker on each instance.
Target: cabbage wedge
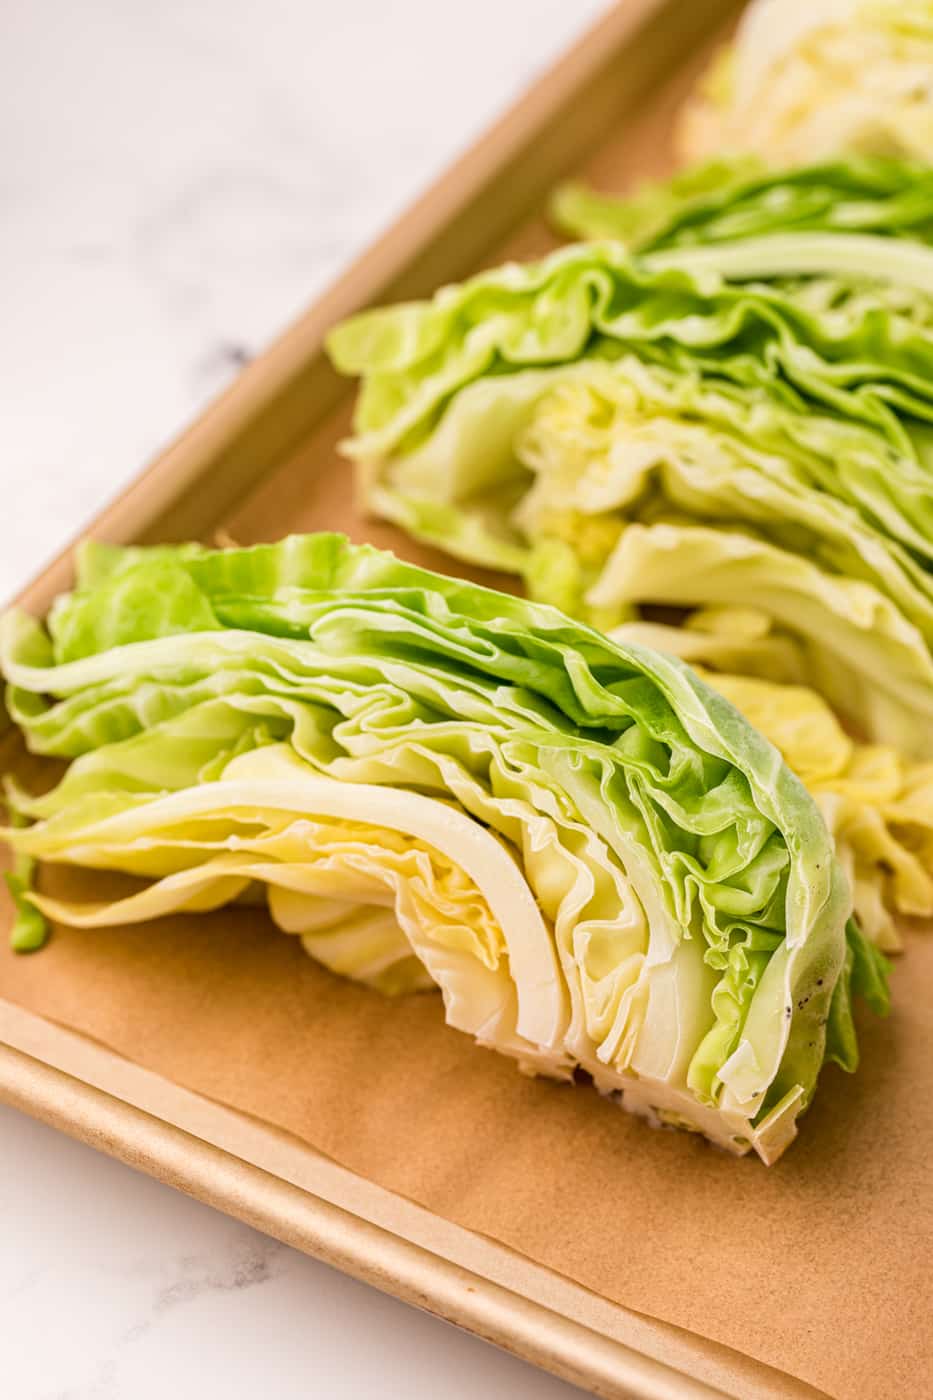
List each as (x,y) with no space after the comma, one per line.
(739,420)
(807,79)
(592,854)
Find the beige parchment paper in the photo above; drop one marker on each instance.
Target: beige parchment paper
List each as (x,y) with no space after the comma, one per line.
(821,1266)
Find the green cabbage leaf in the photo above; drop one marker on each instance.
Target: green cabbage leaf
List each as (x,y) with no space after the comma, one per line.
(739,197)
(842,320)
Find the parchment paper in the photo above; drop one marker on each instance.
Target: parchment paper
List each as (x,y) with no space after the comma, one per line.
(820,1266)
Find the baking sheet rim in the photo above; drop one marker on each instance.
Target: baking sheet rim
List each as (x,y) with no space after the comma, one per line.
(324,1229)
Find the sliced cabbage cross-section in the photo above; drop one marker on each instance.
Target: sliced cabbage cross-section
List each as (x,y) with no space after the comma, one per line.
(592,854)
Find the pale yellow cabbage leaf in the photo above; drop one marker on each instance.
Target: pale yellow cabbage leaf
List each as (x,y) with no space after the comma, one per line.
(808,79)
(362,898)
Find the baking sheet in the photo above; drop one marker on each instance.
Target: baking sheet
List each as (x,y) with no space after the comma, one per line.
(818,1266)
(359,1227)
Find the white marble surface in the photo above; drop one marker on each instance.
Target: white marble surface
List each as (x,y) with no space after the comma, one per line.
(178,179)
